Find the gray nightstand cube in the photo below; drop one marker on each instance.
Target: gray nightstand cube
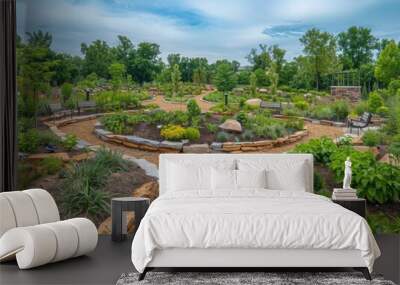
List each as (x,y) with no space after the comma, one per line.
(357,205)
(119,207)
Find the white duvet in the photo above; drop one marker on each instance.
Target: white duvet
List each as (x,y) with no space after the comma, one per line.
(250,219)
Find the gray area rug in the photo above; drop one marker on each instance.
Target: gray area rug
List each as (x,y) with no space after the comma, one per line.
(269,278)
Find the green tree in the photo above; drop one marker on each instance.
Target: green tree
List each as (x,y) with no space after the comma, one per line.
(278,57)
(374,101)
(193,109)
(273,78)
(320,47)
(117,72)
(147,63)
(259,60)
(253,84)
(356,45)
(66,92)
(175,79)
(36,69)
(388,64)
(225,79)
(98,57)
(262,78)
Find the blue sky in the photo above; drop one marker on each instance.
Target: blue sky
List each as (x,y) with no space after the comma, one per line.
(207,28)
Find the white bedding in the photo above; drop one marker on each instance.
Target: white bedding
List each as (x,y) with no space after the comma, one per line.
(250,219)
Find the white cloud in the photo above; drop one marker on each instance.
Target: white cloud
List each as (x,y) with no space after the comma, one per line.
(229,29)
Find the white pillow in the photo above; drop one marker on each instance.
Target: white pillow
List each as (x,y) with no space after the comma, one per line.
(186,178)
(184,175)
(282,174)
(251,179)
(223,179)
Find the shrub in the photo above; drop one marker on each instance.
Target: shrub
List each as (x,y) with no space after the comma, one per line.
(301,105)
(381,223)
(47,137)
(112,159)
(115,123)
(394,85)
(294,125)
(340,109)
(374,101)
(50,165)
(222,137)
(193,108)
(242,118)
(345,141)
(29,141)
(321,149)
(371,138)
(394,149)
(192,134)
(177,118)
(69,142)
(212,128)
(323,112)
(82,194)
(361,107)
(66,92)
(248,135)
(173,132)
(377,182)
(383,111)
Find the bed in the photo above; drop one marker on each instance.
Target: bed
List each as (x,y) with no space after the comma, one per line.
(247,210)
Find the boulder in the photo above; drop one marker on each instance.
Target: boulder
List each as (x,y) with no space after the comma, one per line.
(105,227)
(231,125)
(196,148)
(147,190)
(216,146)
(253,102)
(171,145)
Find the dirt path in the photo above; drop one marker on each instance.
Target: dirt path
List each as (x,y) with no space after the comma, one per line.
(84,131)
(168,106)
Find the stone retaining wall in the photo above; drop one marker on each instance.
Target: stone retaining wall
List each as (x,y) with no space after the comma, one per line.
(176,147)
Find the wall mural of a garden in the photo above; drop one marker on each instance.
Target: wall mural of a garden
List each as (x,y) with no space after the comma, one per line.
(91,127)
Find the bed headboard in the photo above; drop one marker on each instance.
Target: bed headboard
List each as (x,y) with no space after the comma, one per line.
(204,159)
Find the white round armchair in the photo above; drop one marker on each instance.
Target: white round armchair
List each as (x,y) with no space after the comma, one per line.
(31,230)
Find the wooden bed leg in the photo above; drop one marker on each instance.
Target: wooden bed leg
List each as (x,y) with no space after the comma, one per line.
(143,274)
(364,271)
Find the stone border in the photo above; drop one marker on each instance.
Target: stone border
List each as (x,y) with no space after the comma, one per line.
(149,168)
(137,142)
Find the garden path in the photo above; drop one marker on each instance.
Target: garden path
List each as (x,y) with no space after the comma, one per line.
(84,130)
(168,106)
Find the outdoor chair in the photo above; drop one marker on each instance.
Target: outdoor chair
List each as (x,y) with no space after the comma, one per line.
(359,123)
(275,107)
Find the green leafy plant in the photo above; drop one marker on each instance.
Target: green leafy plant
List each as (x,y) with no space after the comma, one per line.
(50,165)
(212,128)
(69,142)
(248,135)
(242,117)
(383,111)
(340,109)
(374,101)
(173,132)
(29,141)
(115,123)
(193,108)
(377,182)
(371,138)
(321,149)
(294,125)
(192,134)
(222,137)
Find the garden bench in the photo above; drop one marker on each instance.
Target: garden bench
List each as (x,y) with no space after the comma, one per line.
(274,106)
(360,123)
(86,105)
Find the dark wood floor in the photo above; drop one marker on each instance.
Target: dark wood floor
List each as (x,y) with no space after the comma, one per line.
(110,260)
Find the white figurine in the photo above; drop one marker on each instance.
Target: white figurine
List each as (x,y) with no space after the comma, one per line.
(347,174)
